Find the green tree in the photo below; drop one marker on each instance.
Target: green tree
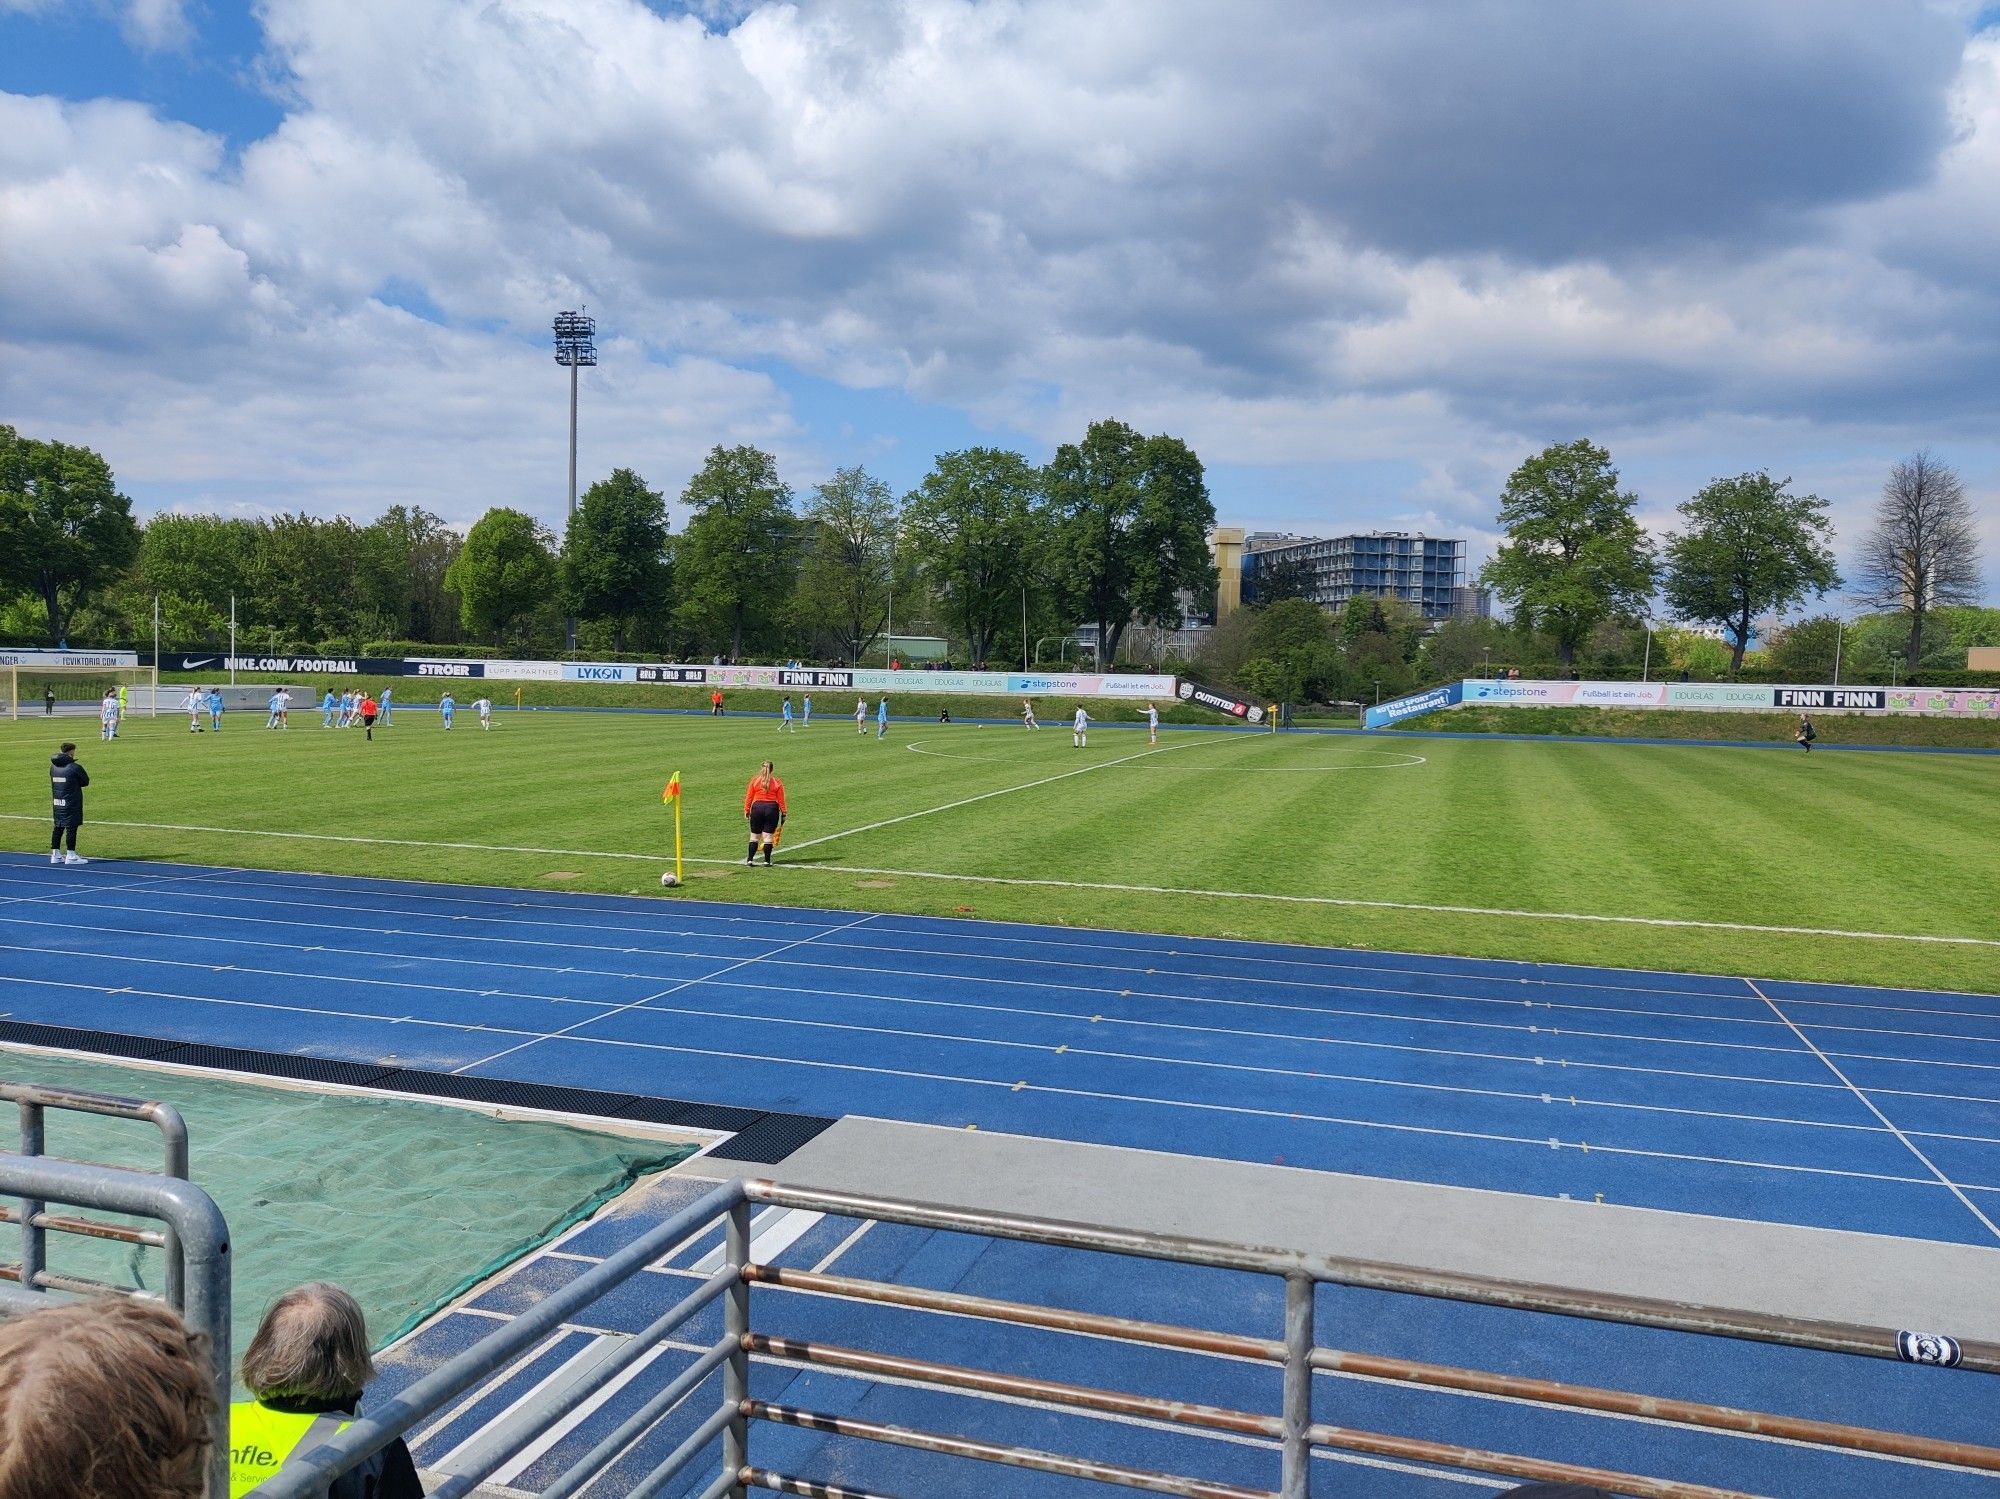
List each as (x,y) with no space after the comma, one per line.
(1807,651)
(505,573)
(976,526)
(1574,553)
(65,530)
(1132,520)
(424,548)
(1749,548)
(614,558)
(193,564)
(850,564)
(1465,646)
(1282,578)
(301,580)
(1299,639)
(734,566)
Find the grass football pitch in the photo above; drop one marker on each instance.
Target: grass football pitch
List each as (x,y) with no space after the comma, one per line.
(1750,861)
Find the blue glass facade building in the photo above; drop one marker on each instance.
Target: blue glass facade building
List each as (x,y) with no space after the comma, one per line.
(1423,571)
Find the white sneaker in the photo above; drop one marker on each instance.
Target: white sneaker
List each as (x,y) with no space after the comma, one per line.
(55,856)
(74,858)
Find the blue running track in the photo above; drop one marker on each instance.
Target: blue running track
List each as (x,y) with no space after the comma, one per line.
(1813,1104)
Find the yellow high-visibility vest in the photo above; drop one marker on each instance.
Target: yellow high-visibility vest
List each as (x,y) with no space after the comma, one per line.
(261,1439)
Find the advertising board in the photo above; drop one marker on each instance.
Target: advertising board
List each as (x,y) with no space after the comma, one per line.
(1398,709)
(1221,702)
(93,660)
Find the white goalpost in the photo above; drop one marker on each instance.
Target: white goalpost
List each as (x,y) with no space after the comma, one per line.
(38,691)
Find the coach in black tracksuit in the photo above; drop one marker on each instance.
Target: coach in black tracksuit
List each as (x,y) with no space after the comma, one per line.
(66,782)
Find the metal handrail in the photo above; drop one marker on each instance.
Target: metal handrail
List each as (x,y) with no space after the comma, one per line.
(34,1099)
(201,1240)
(1290,1430)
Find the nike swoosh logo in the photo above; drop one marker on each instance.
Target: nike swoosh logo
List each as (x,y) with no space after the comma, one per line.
(188,663)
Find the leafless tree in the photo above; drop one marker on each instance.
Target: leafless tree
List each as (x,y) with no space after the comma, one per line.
(1924,550)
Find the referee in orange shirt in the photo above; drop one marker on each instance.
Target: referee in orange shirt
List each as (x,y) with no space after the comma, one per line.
(764,805)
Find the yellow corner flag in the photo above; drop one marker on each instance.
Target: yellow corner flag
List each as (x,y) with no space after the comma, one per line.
(672,793)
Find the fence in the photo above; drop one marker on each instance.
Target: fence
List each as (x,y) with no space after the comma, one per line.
(191,1234)
(1289,1430)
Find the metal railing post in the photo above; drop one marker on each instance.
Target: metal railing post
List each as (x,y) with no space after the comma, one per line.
(1295,1451)
(736,1329)
(34,1243)
(175,1129)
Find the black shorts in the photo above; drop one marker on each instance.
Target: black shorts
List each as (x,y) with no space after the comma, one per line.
(763,817)
(368,720)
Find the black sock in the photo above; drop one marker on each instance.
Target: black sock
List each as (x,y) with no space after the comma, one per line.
(753,848)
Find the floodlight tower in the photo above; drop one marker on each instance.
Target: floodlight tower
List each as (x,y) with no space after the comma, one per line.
(575,350)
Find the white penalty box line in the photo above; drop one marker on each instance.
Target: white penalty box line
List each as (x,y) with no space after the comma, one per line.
(1335,901)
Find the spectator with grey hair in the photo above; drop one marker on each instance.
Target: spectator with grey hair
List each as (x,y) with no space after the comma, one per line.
(103,1399)
(307,1366)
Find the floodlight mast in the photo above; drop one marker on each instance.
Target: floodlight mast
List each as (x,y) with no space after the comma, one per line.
(575,350)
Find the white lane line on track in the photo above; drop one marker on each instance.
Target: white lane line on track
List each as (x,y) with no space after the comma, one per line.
(985,796)
(1164,996)
(1869,1104)
(1431,1020)
(674,988)
(1305,959)
(1495,970)
(1100,967)
(84,887)
(1348,902)
(1550,1142)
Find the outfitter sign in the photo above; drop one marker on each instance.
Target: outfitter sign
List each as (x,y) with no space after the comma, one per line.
(1208,697)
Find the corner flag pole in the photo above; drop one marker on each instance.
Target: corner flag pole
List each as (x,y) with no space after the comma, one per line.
(672,793)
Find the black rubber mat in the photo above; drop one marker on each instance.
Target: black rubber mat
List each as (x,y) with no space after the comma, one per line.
(67,1038)
(764,1138)
(770,1139)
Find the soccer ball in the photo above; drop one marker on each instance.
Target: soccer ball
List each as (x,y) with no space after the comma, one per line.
(669,879)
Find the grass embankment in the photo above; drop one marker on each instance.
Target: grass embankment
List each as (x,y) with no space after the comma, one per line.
(1300,837)
(1656,723)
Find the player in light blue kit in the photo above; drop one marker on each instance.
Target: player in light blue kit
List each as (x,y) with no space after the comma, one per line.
(215,709)
(788,724)
(274,710)
(446,707)
(326,711)
(882,718)
(805,721)
(384,705)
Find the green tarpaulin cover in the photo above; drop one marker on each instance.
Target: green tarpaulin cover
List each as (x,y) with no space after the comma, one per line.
(405,1204)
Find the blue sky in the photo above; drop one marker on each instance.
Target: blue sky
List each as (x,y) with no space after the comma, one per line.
(302,254)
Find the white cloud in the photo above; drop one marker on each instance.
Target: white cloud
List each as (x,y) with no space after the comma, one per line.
(1432,236)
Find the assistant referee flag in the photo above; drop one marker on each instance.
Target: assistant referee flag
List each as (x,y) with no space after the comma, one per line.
(672,793)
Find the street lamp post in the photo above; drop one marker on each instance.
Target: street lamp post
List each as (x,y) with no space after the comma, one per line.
(1839,630)
(575,349)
